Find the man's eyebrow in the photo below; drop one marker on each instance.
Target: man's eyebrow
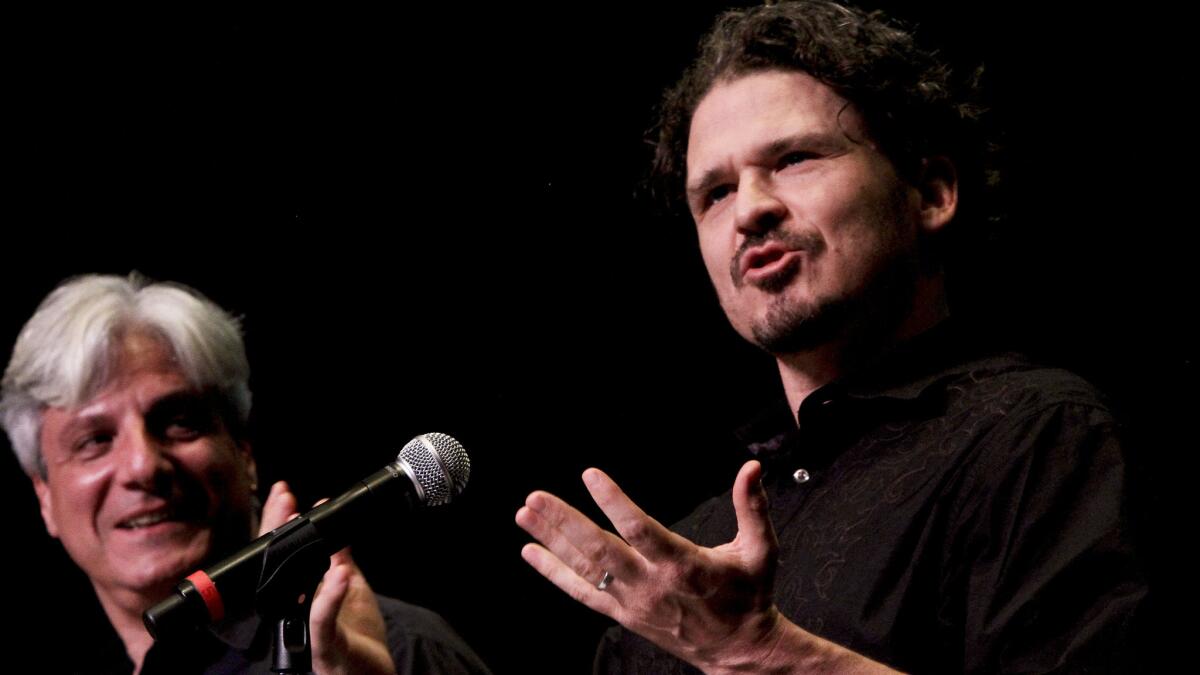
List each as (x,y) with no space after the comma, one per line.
(91,415)
(707,181)
(182,401)
(85,421)
(86,417)
(817,141)
(179,397)
(195,409)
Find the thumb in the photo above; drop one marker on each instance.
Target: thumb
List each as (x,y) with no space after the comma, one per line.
(327,643)
(755,537)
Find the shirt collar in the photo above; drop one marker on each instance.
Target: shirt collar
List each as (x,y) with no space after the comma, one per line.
(908,370)
(906,373)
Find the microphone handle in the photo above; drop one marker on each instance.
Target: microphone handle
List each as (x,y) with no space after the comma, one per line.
(269,573)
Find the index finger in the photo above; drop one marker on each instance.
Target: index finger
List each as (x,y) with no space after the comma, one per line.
(645,534)
(574,538)
(278,509)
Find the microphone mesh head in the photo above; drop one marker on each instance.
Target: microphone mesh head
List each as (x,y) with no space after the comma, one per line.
(440,466)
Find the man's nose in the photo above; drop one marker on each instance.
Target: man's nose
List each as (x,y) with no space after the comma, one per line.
(143,462)
(758,208)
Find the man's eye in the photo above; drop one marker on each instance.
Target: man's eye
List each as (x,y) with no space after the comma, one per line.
(718,193)
(183,429)
(92,445)
(793,158)
(181,418)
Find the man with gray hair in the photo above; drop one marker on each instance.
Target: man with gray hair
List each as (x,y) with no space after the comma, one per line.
(126,403)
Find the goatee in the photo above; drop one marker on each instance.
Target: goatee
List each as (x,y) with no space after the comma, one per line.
(792,326)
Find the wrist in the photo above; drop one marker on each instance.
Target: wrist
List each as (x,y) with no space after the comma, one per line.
(781,647)
(764,644)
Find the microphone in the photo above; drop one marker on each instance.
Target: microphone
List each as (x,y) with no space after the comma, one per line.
(273,570)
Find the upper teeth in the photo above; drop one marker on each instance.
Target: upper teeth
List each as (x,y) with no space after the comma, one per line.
(146,520)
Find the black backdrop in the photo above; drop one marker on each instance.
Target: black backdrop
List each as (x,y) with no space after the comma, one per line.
(427,219)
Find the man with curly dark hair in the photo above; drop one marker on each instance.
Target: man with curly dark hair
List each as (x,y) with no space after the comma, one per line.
(915,503)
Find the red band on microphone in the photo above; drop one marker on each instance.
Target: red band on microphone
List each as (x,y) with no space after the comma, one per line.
(209,593)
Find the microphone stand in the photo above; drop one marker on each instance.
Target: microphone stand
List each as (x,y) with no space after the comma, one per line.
(292,649)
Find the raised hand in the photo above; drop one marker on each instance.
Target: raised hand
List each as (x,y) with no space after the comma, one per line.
(348,633)
(711,607)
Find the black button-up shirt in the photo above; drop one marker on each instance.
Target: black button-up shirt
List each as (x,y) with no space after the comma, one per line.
(942,512)
(419,640)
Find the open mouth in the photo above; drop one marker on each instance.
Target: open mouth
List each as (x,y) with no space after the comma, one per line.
(764,258)
(768,266)
(146,519)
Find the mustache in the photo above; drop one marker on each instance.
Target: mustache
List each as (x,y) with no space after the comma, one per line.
(808,241)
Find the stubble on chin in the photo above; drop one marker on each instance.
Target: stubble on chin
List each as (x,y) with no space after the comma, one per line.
(789,327)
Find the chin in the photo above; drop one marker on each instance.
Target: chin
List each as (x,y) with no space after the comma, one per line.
(792,325)
(158,572)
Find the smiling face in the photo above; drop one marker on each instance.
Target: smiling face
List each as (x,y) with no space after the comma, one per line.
(143,481)
(804,225)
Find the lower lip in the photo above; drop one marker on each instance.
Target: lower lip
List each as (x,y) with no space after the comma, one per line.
(784,264)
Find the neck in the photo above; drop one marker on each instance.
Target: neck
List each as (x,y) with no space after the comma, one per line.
(124,611)
(858,344)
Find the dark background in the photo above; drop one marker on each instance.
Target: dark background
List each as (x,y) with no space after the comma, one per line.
(428,220)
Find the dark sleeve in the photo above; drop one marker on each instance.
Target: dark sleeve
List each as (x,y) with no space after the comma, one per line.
(1044,574)
(423,643)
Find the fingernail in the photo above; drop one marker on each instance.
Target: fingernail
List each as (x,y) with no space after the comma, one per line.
(534,502)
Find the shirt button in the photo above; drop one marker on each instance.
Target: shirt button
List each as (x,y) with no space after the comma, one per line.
(801,476)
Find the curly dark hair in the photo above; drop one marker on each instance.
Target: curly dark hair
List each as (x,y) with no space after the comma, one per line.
(912,104)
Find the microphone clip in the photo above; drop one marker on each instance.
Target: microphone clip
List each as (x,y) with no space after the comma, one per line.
(293,565)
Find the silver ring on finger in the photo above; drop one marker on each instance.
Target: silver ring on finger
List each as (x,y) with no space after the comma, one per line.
(604,581)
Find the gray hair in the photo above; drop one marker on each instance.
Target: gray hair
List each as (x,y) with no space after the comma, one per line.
(63,354)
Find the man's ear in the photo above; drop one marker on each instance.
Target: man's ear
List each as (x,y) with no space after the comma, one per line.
(938,187)
(44,501)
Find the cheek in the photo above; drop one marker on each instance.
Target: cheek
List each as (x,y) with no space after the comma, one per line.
(75,509)
(872,229)
(79,492)
(716,255)
(221,470)
(232,475)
